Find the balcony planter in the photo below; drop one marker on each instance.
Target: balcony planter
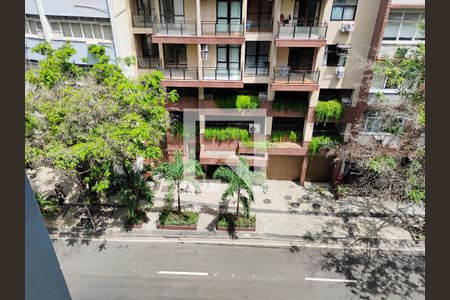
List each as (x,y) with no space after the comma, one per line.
(216,145)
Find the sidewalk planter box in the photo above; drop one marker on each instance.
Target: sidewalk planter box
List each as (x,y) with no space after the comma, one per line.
(171,220)
(243,224)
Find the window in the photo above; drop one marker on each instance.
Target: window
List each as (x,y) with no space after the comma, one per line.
(33,26)
(373,124)
(257,58)
(228,56)
(331,57)
(81,28)
(343,10)
(403,26)
(175,55)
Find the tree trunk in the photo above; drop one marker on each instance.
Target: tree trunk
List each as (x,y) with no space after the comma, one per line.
(238,200)
(178,195)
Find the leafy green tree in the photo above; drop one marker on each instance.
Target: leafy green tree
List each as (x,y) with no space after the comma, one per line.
(86,121)
(241,182)
(178,171)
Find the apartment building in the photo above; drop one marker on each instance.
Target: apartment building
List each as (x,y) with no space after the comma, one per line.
(289,53)
(400,31)
(81,22)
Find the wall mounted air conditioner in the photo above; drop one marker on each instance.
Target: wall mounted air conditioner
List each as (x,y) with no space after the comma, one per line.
(262,96)
(348,27)
(254,128)
(343,49)
(340,72)
(204,51)
(208,97)
(346,101)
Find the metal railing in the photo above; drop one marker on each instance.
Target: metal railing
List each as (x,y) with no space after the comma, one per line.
(143,21)
(227,29)
(148,62)
(221,74)
(294,31)
(258,24)
(181,28)
(289,75)
(257,69)
(180,73)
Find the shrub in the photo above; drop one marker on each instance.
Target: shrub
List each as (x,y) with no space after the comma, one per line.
(381,163)
(229,133)
(293,136)
(230,220)
(285,104)
(257,145)
(278,136)
(247,102)
(226,102)
(47,205)
(320,142)
(326,110)
(168,217)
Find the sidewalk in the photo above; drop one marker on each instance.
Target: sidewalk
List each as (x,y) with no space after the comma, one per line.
(286,212)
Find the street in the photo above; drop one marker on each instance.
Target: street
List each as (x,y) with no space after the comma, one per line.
(121,269)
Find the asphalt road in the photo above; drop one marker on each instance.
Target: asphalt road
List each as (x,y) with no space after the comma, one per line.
(147,270)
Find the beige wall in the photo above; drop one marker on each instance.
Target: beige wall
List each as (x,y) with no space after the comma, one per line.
(190,10)
(282,56)
(287,8)
(208,10)
(211,61)
(192,58)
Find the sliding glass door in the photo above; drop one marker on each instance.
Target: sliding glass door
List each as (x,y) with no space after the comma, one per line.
(175,55)
(172,11)
(229,15)
(228,62)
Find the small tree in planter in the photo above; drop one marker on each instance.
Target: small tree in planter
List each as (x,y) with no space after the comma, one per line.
(241,182)
(179,171)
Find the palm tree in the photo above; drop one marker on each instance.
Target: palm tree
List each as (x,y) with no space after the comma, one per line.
(179,171)
(241,180)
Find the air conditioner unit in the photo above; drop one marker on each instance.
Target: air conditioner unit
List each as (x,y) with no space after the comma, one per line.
(340,72)
(346,101)
(262,96)
(343,49)
(204,52)
(208,97)
(254,128)
(348,27)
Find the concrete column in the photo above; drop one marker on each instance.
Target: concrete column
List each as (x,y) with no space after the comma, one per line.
(308,131)
(244,14)
(273,50)
(201,119)
(161,54)
(268,129)
(347,132)
(199,21)
(313,98)
(201,93)
(303,170)
(199,62)
(44,21)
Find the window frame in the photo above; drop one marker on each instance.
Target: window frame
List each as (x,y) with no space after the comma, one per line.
(343,6)
(342,59)
(36,20)
(82,22)
(401,22)
(258,58)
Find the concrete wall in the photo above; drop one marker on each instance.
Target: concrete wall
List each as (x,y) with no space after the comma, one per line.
(208,10)
(212,57)
(30,7)
(192,57)
(320,169)
(190,10)
(80,8)
(282,167)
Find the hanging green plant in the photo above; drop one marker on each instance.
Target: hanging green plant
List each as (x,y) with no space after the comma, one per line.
(321,142)
(329,110)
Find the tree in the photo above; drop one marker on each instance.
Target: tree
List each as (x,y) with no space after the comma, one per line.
(85,122)
(241,182)
(178,171)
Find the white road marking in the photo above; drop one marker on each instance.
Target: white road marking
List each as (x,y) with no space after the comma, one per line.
(329,279)
(182,273)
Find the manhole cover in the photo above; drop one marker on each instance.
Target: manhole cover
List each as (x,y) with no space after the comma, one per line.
(267,201)
(306,197)
(288,197)
(295,205)
(316,205)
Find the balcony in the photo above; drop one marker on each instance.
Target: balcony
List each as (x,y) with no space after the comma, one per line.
(174,33)
(212,77)
(148,62)
(288,79)
(257,24)
(143,21)
(222,33)
(257,70)
(292,35)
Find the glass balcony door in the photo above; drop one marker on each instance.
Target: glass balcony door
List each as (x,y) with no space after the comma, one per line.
(301,59)
(228,62)
(172,11)
(175,56)
(229,15)
(307,12)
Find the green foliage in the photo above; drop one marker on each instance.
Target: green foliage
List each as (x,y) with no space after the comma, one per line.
(177,172)
(320,143)
(289,104)
(48,205)
(239,102)
(186,218)
(415,177)
(176,128)
(279,136)
(257,145)
(241,182)
(329,110)
(247,102)
(381,164)
(86,122)
(226,134)
(421,116)
(228,220)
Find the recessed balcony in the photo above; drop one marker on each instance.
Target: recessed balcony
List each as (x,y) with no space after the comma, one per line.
(222,33)
(293,35)
(143,21)
(212,77)
(290,79)
(148,62)
(174,33)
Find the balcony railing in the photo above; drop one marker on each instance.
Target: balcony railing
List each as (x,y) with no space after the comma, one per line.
(143,21)
(257,24)
(182,28)
(257,69)
(221,74)
(293,31)
(148,62)
(213,28)
(289,75)
(180,73)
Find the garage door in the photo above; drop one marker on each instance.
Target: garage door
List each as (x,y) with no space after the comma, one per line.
(320,169)
(283,167)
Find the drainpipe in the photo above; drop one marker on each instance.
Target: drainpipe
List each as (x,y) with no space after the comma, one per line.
(45,24)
